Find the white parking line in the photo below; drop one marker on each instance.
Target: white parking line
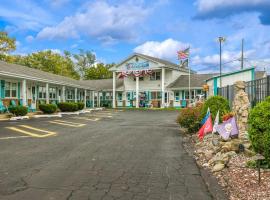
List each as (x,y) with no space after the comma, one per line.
(14,137)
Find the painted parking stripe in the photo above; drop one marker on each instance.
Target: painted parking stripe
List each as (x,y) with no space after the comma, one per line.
(31,133)
(15,137)
(87,119)
(67,123)
(37,129)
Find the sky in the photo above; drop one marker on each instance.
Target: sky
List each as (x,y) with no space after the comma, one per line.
(114,29)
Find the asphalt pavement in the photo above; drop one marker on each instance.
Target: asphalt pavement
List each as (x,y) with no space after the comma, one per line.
(102,155)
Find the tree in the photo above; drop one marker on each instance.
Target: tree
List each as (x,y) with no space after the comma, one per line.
(84,61)
(100,71)
(49,61)
(7,44)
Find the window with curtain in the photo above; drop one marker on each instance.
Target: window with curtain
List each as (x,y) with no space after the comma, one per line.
(155,76)
(177,96)
(10,90)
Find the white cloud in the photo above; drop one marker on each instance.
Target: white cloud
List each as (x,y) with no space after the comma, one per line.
(166,49)
(99,20)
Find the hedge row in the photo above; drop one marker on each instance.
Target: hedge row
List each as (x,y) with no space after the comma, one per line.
(63,107)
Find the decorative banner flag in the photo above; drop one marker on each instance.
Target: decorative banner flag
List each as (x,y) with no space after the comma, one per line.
(206,116)
(216,122)
(228,128)
(183,54)
(137,73)
(206,128)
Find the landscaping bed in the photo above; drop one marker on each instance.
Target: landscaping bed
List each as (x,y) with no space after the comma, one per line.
(239,181)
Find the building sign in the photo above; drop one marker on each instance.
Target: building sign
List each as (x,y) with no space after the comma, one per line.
(137,66)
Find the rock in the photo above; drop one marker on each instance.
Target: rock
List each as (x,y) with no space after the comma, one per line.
(218,167)
(249,153)
(247,145)
(230,154)
(208,154)
(215,142)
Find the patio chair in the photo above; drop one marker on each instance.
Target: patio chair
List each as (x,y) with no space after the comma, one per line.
(3,108)
(183,103)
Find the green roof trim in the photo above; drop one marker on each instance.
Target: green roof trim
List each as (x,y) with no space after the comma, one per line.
(232,73)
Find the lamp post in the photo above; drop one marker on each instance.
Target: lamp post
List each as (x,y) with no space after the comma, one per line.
(221,40)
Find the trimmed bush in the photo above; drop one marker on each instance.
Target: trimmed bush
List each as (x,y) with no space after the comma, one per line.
(216,103)
(18,110)
(48,108)
(189,118)
(80,105)
(259,129)
(68,106)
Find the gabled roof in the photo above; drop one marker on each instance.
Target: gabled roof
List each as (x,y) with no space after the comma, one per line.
(166,63)
(104,84)
(196,81)
(23,72)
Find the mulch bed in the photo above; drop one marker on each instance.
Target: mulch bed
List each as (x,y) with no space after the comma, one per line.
(238,181)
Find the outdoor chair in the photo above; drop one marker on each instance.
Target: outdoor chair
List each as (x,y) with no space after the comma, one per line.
(29,108)
(183,103)
(3,108)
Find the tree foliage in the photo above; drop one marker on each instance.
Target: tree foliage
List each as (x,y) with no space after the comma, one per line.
(84,61)
(7,43)
(50,61)
(100,71)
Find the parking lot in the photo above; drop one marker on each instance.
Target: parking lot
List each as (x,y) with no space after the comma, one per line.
(109,154)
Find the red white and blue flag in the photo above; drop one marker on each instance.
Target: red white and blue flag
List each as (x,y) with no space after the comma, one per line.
(184,54)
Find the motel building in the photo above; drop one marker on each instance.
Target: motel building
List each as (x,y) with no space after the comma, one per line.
(21,85)
(138,81)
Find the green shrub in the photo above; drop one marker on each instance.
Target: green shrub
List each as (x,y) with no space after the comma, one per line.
(215,103)
(68,106)
(18,110)
(80,105)
(190,118)
(48,108)
(259,129)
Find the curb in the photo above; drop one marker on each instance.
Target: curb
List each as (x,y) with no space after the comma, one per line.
(212,185)
(47,116)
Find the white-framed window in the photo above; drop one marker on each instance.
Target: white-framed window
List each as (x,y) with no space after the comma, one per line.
(155,76)
(52,93)
(70,94)
(176,95)
(42,92)
(11,89)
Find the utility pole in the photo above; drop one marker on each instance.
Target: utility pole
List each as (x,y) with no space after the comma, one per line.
(221,40)
(242,56)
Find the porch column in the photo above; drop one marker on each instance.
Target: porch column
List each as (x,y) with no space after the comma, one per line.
(137,92)
(93,99)
(163,87)
(98,99)
(75,96)
(24,95)
(63,93)
(114,86)
(85,91)
(47,94)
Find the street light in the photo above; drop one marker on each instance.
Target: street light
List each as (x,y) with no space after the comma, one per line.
(221,40)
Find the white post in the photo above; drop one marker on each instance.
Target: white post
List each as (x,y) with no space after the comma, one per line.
(85,91)
(93,99)
(137,92)
(47,94)
(98,99)
(163,87)
(75,96)
(63,94)
(24,95)
(114,88)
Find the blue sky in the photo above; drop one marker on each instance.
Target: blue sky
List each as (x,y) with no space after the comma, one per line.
(113,29)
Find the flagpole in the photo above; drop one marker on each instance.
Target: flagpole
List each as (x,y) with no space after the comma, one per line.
(189,80)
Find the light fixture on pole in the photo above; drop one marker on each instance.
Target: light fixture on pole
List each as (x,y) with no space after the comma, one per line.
(221,40)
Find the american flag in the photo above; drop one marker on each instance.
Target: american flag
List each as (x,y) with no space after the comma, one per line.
(184,54)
